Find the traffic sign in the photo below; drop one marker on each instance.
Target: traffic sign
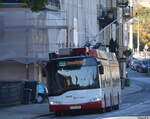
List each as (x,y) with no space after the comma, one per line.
(146,47)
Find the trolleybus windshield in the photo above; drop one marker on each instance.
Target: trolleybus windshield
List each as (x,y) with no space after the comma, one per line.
(74,75)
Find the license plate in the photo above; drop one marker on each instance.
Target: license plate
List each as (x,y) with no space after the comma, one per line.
(75,107)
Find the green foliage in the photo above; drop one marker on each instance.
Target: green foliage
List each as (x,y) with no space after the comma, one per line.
(1,2)
(142,45)
(143,12)
(113,45)
(127,53)
(36,5)
(0,87)
(144,27)
(135,40)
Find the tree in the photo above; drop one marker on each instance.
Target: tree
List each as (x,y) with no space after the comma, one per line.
(113,46)
(36,5)
(0,2)
(144,23)
(127,52)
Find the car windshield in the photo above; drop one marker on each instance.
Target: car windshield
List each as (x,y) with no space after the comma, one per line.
(145,62)
(74,77)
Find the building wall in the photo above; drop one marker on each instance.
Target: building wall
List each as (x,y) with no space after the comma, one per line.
(108,32)
(81,20)
(12,71)
(20,39)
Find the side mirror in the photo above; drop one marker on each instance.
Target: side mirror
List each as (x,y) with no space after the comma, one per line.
(101,69)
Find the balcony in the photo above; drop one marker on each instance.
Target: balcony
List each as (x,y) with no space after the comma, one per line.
(105,20)
(11,3)
(122,3)
(53,5)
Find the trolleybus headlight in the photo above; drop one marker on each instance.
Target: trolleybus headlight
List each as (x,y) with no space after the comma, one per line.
(95,99)
(54,102)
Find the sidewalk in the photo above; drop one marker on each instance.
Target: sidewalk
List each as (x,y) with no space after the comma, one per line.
(35,110)
(133,88)
(24,111)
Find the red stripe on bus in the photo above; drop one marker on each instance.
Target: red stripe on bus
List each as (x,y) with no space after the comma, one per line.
(90,105)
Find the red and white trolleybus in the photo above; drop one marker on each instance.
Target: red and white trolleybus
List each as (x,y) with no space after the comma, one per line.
(80,79)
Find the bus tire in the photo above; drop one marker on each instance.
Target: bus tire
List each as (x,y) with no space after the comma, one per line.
(111,104)
(57,114)
(117,106)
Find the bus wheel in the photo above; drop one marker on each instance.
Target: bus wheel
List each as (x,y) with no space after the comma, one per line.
(116,107)
(57,114)
(111,107)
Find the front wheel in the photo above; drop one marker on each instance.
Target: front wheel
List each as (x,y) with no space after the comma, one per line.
(57,114)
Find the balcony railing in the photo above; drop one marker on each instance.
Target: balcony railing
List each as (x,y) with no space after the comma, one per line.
(107,33)
(11,3)
(29,35)
(122,3)
(53,4)
(128,13)
(103,21)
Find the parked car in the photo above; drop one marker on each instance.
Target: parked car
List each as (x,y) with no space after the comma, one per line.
(42,93)
(133,64)
(143,65)
(127,63)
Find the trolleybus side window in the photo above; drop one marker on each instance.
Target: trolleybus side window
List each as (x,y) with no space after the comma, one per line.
(113,73)
(118,77)
(108,78)
(105,76)
(115,76)
(102,75)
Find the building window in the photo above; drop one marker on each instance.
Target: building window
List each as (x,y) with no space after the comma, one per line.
(55,3)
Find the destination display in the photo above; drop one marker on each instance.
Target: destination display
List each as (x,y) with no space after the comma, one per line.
(69,63)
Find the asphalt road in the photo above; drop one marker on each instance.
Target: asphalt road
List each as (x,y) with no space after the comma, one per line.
(136,104)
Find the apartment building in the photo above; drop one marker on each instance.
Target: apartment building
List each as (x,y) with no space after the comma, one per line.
(28,37)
